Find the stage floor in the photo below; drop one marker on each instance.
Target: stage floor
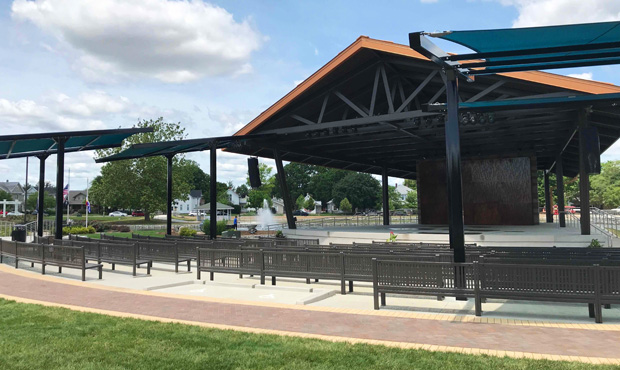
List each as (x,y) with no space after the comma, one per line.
(543,235)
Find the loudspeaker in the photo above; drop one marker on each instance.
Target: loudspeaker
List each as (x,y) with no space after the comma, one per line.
(254,173)
(589,137)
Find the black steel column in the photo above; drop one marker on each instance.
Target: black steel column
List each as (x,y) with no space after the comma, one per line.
(559,177)
(60,180)
(41,206)
(386,197)
(453,168)
(213,193)
(584,179)
(169,196)
(548,210)
(288,206)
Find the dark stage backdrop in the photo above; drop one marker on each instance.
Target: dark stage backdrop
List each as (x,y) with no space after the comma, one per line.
(496,191)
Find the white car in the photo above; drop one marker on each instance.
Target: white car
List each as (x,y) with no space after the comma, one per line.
(15,213)
(615,211)
(117,214)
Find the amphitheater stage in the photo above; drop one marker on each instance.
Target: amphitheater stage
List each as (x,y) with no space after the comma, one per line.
(543,235)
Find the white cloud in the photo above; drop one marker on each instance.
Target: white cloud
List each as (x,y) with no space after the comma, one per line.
(428,1)
(553,12)
(583,76)
(173,41)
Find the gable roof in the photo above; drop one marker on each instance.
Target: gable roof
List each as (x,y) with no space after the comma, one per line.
(195,193)
(365,42)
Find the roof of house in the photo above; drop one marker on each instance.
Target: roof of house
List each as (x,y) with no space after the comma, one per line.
(11,187)
(365,42)
(73,194)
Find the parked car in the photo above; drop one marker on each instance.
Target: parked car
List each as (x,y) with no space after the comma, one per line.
(35,212)
(399,212)
(192,214)
(137,214)
(117,214)
(299,212)
(15,213)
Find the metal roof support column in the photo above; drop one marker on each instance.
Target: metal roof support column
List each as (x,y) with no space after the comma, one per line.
(169,196)
(584,178)
(288,202)
(386,198)
(548,211)
(41,204)
(213,192)
(453,169)
(559,176)
(60,180)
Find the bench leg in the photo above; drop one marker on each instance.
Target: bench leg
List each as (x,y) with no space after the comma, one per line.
(262,280)
(211,276)
(43,269)
(382,299)
(350,286)
(60,269)
(343,287)
(478,304)
(148,268)
(607,306)
(100,272)
(189,265)
(176,266)
(31,264)
(113,266)
(375,296)
(598,314)
(198,273)
(83,274)
(307,280)
(134,269)
(273,280)
(316,280)
(240,276)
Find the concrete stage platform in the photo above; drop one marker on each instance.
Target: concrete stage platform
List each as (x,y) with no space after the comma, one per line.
(543,235)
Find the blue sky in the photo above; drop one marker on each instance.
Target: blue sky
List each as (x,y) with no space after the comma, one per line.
(213,66)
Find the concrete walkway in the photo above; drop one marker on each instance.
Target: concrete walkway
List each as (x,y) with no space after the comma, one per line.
(585,343)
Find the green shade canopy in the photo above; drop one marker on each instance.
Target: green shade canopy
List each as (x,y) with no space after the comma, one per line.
(571,100)
(532,48)
(30,145)
(169,148)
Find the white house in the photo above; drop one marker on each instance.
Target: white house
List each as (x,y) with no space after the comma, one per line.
(224,211)
(277,205)
(331,206)
(233,197)
(318,206)
(402,191)
(189,205)
(14,188)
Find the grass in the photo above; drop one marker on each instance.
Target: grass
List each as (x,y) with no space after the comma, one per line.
(153,233)
(37,337)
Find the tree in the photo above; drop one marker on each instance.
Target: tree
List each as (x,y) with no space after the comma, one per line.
(300,202)
(411,200)
(298,177)
(394,198)
(33,201)
(256,198)
(242,190)
(141,183)
(361,189)
(5,196)
(345,206)
(309,203)
(321,184)
(411,184)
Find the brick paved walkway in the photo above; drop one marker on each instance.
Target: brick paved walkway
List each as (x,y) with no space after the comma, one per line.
(529,339)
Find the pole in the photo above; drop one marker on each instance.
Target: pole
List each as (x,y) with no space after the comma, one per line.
(87,202)
(453,168)
(169,196)
(584,178)
(386,198)
(60,172)
(26,191)
(559,174)
(68,192)
(288,206)
(41,206)
(213,192)
(548,208)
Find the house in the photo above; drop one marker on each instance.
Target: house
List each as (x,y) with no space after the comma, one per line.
(402,191)
(77,201)
(14,188)
(224,211)
(189,205)
(277,205)
(233,197)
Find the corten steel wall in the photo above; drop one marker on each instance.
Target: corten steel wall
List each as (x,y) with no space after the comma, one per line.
(497,191)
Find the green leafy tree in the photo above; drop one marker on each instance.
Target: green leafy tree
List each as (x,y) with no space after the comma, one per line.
(321,184)
(33,200)
(411,184)
(394,198)
(5,196)
(242,190)
(300,202)
(345,206)
(141,183)
(309,204)
(256,198)
(411,201)
(361,189)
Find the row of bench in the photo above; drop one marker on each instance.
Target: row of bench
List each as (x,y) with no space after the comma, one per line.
(48,255)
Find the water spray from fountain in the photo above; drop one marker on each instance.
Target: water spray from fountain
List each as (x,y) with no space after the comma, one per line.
(265,217)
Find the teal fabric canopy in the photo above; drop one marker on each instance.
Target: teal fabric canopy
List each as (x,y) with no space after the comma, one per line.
(541,102)
(535,48)
(30,145)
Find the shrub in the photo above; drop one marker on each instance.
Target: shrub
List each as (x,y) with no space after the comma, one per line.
(279,234)
(78,230)
(345,206)
(594,244)
(206,227)
(99,226)
(186,231)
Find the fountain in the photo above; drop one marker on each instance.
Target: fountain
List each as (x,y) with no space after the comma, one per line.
(265,217)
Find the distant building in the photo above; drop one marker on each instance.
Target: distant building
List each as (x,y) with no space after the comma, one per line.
(190,205)
(77,201)
(277,205)
(14,188)
(331,206)
(317,205)
(402,191)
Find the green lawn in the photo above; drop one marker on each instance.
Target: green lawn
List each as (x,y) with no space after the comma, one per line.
(154,233)
(37,337)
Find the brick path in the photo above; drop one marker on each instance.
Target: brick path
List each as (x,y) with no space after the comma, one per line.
(529,339)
